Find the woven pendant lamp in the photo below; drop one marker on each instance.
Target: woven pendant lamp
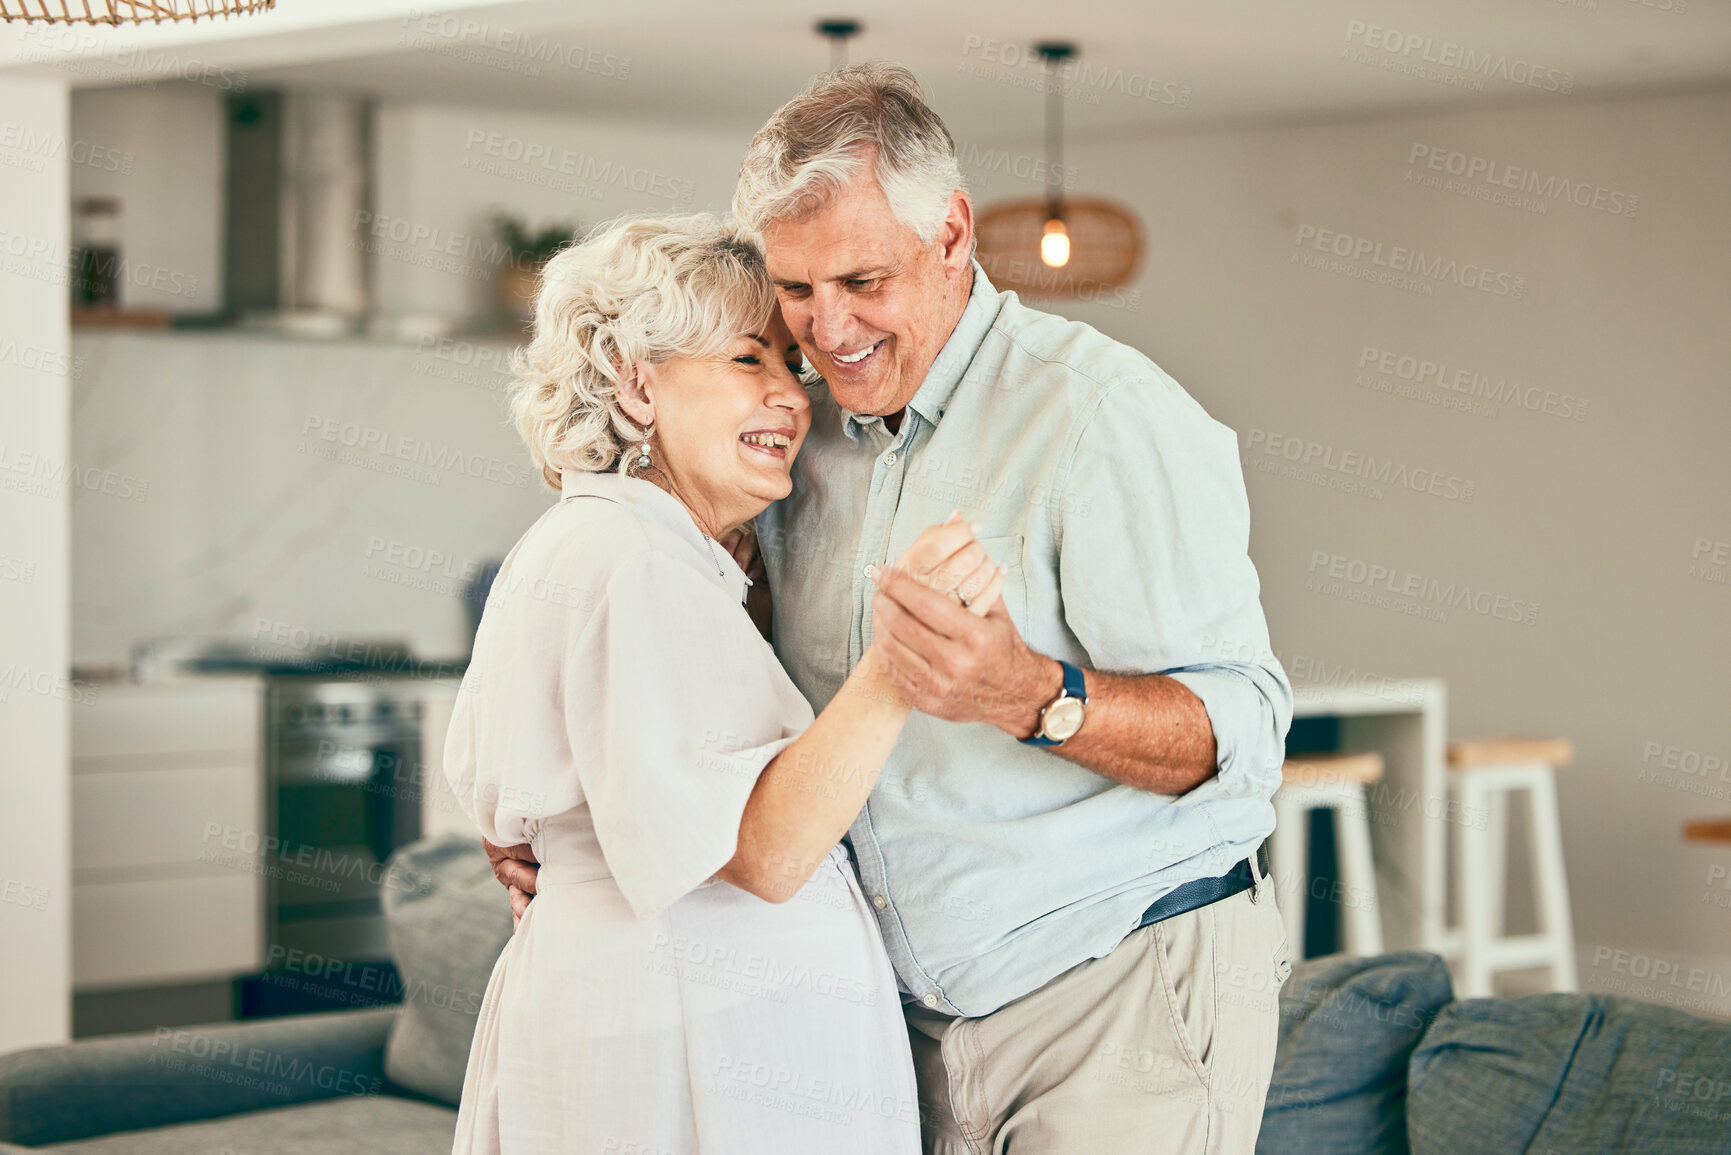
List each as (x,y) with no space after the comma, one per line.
(126,11)
(1058,246)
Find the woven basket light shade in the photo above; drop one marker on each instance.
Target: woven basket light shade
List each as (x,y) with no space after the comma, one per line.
(1105,246)
(126,11)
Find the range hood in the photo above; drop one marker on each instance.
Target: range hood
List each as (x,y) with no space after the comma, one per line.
(299,179)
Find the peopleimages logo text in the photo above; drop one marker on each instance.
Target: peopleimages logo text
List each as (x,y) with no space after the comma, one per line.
(1500,174)
(1458,379)
(1407,584)
(1451,54)
(1399,259)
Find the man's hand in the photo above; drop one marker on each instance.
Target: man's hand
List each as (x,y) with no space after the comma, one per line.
(952,662)
(515,868)
(742,544)
(1144,730)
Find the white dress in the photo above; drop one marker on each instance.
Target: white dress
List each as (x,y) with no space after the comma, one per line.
(616,712)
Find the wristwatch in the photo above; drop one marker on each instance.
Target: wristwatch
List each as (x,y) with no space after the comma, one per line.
(1062,716)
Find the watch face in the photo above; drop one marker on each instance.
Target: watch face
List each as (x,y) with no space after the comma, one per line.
(1063,718)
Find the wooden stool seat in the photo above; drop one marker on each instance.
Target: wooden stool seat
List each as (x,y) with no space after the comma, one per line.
(1510,750)
(1707,830)
(1318,769)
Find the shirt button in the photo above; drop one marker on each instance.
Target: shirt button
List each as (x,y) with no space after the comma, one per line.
(930,1000)
(890,457)
(866,572)
(880,901)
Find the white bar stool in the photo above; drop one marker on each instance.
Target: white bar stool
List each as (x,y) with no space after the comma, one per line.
(1336,783)
(1482,774)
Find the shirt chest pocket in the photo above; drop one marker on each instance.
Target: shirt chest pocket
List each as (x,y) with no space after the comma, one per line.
(1007,552)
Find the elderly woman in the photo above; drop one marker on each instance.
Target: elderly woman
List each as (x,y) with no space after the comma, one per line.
(699,971)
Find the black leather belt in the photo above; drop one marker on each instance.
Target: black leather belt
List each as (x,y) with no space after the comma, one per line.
(1202,891)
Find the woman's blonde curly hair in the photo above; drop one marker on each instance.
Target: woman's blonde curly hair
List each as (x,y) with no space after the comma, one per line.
(636,290)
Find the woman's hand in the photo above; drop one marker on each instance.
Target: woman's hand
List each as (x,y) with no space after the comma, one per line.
(947,558)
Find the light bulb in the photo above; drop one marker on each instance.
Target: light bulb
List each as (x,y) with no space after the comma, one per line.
(1055,244)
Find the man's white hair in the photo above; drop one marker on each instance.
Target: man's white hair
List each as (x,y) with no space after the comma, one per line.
(872,114)
(635,291)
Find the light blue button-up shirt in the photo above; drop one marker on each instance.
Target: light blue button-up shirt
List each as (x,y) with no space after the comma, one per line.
(1118,506)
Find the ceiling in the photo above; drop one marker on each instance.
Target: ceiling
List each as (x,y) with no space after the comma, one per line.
(1151,65)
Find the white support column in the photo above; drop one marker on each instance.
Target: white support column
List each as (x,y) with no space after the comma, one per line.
(36,485)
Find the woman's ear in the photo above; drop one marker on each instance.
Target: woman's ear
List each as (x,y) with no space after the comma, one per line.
(636,398)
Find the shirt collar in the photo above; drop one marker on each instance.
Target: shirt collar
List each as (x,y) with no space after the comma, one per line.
(952,360)
(652,503)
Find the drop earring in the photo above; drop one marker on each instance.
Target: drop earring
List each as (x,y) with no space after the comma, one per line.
(643,452)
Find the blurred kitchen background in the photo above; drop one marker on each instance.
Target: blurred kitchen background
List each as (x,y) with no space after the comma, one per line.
(262,281)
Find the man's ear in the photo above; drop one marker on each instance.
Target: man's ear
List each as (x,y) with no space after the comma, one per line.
(636,395)
(957,234)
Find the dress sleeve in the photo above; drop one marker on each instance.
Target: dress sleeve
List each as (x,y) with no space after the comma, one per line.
(673,705)
(1155,567)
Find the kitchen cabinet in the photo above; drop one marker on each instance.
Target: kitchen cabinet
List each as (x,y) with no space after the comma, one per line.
(168,832)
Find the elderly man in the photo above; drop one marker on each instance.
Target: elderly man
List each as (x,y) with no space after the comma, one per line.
(1062,850)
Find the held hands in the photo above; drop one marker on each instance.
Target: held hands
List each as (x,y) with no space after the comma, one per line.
(515,868)
(945,640)
(947,559)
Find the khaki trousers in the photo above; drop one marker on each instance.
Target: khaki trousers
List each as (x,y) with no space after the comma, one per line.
(1165,1045)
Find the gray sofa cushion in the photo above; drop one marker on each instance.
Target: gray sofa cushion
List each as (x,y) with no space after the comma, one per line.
(1570,1073)
(1347,1028)
(448,919)
(168,1076)
(347,1125)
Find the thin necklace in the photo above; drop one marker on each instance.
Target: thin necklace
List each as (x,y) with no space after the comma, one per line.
(719,572)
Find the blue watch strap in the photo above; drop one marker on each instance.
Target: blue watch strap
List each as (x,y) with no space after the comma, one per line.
(1074,687)
(1074,684)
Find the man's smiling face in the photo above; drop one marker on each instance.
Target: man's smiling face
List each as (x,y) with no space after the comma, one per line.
(868,301)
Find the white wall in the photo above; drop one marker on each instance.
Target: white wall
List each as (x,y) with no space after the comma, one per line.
(280,490)
(1597,520)
(160,153)
(442,172)
(37,478)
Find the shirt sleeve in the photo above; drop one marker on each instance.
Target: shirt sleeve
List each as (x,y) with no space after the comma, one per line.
(673,705)
(1156,574)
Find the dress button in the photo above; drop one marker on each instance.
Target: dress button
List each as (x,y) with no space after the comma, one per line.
(930,1000)
(880,901)
(890,457)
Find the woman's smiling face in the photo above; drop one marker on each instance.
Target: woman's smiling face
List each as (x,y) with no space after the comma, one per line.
(727,428)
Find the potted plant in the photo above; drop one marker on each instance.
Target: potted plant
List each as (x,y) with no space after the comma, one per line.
(526,251)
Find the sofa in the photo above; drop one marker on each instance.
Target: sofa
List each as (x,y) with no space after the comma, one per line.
(1375,1056)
